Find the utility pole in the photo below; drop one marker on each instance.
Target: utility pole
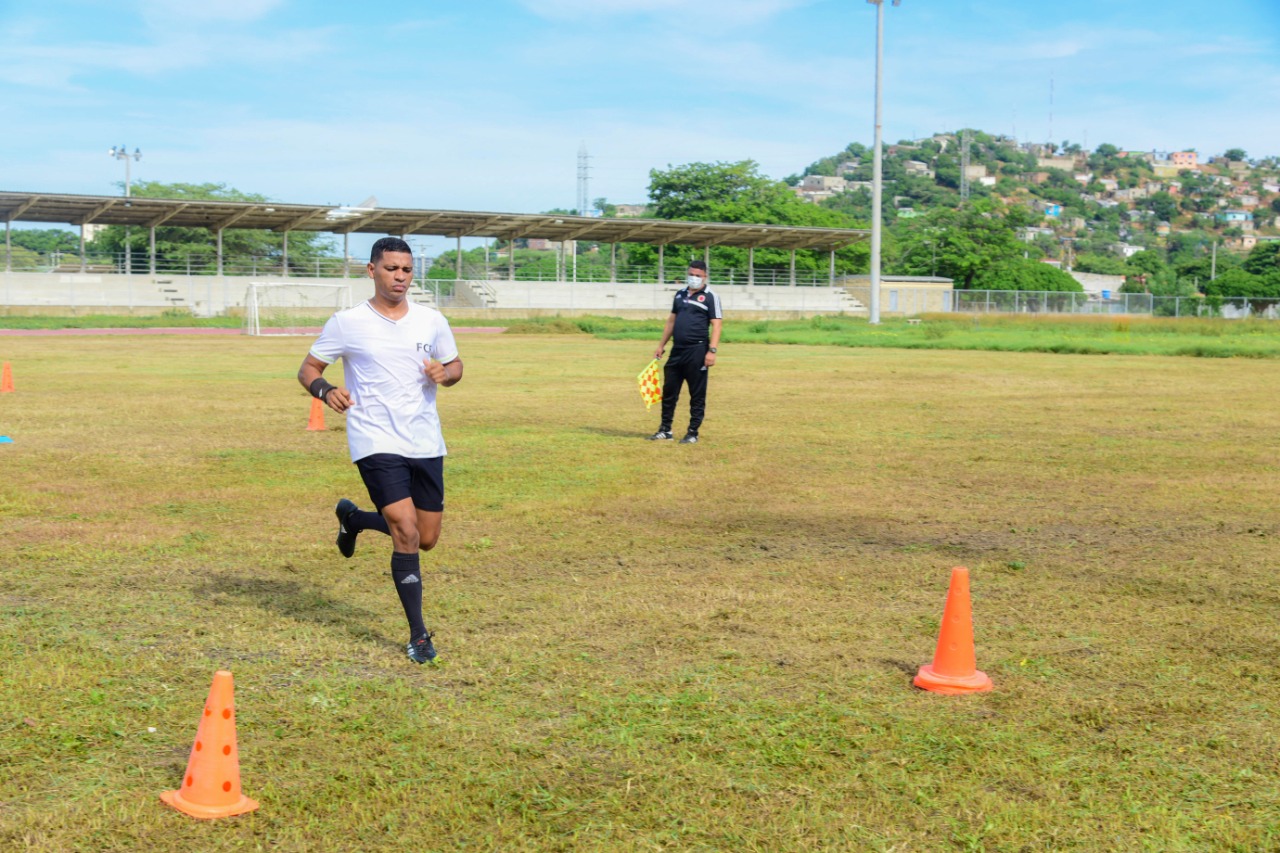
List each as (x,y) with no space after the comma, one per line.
(964,165)
(584,169)
(877,173)
(122,153)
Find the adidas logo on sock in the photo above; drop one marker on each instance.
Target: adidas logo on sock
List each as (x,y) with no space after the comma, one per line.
(411,579)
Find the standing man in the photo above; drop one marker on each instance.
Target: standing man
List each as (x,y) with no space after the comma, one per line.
(395,354)
(694,329)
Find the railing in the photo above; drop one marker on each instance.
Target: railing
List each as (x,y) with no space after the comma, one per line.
(1043,302)
(203,263)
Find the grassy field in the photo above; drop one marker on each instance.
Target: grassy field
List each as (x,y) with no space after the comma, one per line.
(648,646)
(1051,333)
(1081,335)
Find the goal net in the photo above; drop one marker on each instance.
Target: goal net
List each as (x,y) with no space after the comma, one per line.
(281,308)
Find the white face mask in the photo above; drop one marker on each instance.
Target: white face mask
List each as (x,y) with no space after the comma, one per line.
(695,282)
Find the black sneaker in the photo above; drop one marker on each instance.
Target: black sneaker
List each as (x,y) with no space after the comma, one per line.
(420,650)
(689,438)
(346,537)
(661,435)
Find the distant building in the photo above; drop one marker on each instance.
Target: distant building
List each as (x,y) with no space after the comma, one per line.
(1095,284)
(1234,217)
(1051,208)
(1184,159)
(918,168)
(987,180)
(1066,164)
(826,183)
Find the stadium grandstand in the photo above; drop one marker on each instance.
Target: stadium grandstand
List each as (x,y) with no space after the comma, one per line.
(219,284)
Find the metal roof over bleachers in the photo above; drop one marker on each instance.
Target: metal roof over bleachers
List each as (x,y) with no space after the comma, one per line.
(278,216)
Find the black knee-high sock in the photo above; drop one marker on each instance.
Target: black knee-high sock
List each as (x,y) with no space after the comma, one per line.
(406,572)
(364,520)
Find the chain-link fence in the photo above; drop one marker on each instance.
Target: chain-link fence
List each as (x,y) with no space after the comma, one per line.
(1044,302)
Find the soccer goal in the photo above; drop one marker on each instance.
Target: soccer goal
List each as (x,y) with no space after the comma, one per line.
(281,308)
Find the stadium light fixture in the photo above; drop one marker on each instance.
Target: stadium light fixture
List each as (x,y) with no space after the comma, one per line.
(122,153)
(877,175)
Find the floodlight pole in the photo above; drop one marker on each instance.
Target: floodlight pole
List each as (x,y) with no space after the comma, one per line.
(122,153)
(877,174)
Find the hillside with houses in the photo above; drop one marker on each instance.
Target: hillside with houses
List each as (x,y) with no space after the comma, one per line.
(1090,210)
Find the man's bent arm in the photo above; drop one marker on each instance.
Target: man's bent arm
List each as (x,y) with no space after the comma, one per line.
(312,369)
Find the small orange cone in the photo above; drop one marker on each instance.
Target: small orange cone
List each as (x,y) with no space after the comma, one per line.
(211,785)
(6,379)
(954,668)
(317,415)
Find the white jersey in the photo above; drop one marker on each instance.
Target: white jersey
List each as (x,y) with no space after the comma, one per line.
(393,402)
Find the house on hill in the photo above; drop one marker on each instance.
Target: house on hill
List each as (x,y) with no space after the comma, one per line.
(1234,217)
(918,168)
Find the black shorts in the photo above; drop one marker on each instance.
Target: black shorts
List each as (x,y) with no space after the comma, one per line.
(390,478)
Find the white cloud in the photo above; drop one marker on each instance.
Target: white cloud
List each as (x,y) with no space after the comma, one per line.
(64,65)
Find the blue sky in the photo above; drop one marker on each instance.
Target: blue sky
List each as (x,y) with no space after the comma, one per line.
(483,104)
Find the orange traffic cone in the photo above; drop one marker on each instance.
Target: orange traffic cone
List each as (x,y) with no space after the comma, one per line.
(317,415)
(954,668)
(211,785)
(6,379)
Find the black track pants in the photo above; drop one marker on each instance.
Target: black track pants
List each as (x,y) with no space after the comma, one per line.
(685,365)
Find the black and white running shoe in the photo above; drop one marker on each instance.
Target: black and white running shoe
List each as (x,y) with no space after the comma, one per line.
(689,438)
(661,435)
(346,536)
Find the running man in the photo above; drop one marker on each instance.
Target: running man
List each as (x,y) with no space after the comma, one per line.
(395,354)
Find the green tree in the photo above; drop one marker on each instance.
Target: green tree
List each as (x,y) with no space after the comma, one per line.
(1163,205)
(1235,155)
(1020,274)
(1238,282)
(45,240)
(175,246)
(1094,262)
(961,243)
(1263,259)
(737,192)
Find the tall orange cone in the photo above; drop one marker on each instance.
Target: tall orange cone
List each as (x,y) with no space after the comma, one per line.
(317,415)
(6,379)
(211,785)
(954,668)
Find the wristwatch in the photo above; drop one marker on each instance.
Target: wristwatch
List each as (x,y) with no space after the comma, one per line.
(711,349)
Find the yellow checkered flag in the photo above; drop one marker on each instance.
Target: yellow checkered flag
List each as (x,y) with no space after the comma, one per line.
(650,380)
